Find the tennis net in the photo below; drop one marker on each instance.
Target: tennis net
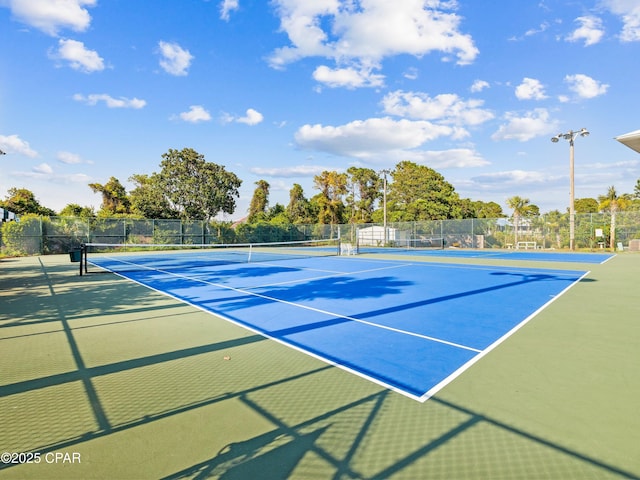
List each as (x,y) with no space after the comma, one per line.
(132,257)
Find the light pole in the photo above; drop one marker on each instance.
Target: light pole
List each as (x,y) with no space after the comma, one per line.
(384,204)
(571,135)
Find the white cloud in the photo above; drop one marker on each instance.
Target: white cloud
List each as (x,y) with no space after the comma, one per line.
(506,180)
(590,30)
(384,141)
(364,33)
(530,89)
(174,60)
(629,12)
(50,16)
(71,158)
(523,128)
(411,73)
(291,172)
(453,158)
(196,114)
(347,77)
(447,108)
(623,164)
(79,57)
(14,144)
(109,101)
(543,27)
(584,86)
(43,168)
(479,85)
(252,117)
(51,177)
(534,31)
(373,137)
(226,7)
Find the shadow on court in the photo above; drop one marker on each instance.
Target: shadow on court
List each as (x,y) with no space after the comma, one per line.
(315,421)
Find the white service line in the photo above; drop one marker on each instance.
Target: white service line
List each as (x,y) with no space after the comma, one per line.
(317,310)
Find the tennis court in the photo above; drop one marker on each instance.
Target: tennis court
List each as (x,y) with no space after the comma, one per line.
(367,366)
(412,327)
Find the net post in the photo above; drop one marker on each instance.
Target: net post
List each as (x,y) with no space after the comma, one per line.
(83,258)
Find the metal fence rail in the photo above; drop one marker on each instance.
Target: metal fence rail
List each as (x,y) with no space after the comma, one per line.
(48,235)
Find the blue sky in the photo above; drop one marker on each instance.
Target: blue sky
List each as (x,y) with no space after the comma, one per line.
(281,90)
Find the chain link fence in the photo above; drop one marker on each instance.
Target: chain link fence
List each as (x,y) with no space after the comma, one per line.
(32,235)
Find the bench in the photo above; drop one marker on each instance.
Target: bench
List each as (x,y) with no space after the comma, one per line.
(526,245)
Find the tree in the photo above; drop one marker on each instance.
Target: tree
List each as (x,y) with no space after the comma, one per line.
(75,210)
(299,209)
(487,210)
(479,209)
(586,205)
(114,197)
(554,222)
(259,202)
(332,186)
(195,188)
(420,193)
(521,208)
(364,186)
(613,203)
(277,215)
(22,202)
(148,197)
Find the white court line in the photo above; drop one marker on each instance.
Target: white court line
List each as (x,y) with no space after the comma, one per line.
(439,386)
(421,398)
(306,307)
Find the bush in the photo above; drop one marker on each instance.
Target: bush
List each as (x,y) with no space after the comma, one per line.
(22,237)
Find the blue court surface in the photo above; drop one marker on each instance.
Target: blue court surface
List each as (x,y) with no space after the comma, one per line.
(410,326)
(532,255)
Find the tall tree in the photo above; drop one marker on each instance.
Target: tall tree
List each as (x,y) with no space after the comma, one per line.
(364,186)
(520,207)
(333,187)
(148,197)
(197,189)
(114,197)
(259,202)
(420,193)
(613,203)
(299,209)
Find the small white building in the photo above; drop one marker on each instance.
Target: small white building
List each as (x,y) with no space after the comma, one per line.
(374,236)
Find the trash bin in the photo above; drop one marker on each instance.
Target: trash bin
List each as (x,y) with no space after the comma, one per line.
(76,255)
